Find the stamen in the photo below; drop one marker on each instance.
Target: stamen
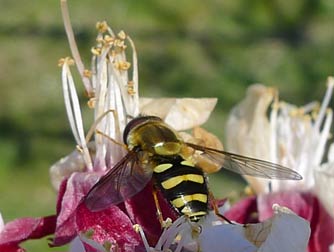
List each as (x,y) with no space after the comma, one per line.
(122,35)
(74,113)
(176,230)
(324,136)
(73,45)
(312,106)
(91,102)
(273,129)
(108,89)
(108,40)
(123,66)
(324,104)
(96,51)
(102,27)
(87,73)
(138,229)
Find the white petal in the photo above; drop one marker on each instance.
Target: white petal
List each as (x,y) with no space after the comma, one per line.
(74,162)
(324,186)
(331,248)
(92,243)
(77,246)
(291,138)
(285,231)
(214,236)
(2,223)
(247,123)
(331,153)
(248,129)
(225,238)
(181,114)
(74,112)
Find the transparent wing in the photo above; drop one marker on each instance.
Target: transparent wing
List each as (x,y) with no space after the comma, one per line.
(122,181)
(246,165)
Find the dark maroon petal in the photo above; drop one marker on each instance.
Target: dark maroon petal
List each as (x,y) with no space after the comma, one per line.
(322,229)
(300,203)
(244,211)
(307,206)
(111,226)
(11,248)
(64,233)
(61,192)
(70,195)
(23,229)
(142,210)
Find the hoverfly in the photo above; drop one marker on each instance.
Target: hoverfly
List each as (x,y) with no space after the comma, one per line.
(156,151)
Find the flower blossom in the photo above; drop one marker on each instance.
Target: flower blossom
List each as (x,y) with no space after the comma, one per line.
(114,100)
(293,137)
(131,225)
(181,114)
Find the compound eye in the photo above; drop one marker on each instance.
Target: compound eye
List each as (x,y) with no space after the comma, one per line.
(167,148)
(136,122)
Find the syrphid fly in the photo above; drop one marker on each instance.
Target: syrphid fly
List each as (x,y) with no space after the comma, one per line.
(157,151)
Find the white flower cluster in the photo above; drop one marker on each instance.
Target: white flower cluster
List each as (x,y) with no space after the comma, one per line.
(295,137)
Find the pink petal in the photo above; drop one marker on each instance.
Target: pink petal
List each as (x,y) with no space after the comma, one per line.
(111,225)
(69,197)
(23,229)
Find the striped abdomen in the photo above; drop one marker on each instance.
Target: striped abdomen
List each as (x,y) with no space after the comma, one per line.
(183,185)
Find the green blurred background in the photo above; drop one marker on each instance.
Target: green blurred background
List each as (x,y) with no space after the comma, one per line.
(186,48)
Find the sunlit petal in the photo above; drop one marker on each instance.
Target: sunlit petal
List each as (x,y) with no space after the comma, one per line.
(285,231)
(181,114)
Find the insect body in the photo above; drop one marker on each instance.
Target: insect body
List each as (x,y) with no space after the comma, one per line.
(183,185)
(156,150)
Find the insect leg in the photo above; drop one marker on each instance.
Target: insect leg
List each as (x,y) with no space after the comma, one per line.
(111,139)
(163,223)
(97,121)
(216,210)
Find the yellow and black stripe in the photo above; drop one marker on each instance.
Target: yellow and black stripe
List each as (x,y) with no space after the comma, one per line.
(183,185)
